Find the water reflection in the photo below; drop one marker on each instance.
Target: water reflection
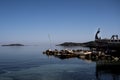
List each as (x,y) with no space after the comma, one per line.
(108,70)
(107,67)
(28,63)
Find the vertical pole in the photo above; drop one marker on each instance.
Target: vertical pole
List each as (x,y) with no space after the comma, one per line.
(50,41)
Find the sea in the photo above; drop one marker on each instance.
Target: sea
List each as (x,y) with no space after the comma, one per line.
(29,63)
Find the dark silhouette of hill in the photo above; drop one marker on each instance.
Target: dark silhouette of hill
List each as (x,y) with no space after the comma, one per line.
(13,45)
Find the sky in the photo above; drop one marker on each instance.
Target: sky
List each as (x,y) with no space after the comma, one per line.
(57,21)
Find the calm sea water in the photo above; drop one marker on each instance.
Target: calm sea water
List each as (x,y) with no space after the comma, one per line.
(28,63)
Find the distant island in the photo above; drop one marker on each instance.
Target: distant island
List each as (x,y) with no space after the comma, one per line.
(13,45)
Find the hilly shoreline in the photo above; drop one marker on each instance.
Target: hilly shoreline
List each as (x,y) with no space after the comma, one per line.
(86,44)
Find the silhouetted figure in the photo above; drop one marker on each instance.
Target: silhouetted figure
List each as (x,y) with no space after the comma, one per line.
(96,36)
(114,37)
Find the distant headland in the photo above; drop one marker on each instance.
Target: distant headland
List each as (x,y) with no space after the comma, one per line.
(70,44)
(13,45)
(77,44)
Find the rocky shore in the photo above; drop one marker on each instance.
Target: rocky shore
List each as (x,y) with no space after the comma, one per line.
(82,54)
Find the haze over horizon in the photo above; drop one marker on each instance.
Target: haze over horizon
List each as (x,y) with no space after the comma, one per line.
(35,21)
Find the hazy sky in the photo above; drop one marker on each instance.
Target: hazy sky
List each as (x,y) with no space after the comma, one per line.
(31,21)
